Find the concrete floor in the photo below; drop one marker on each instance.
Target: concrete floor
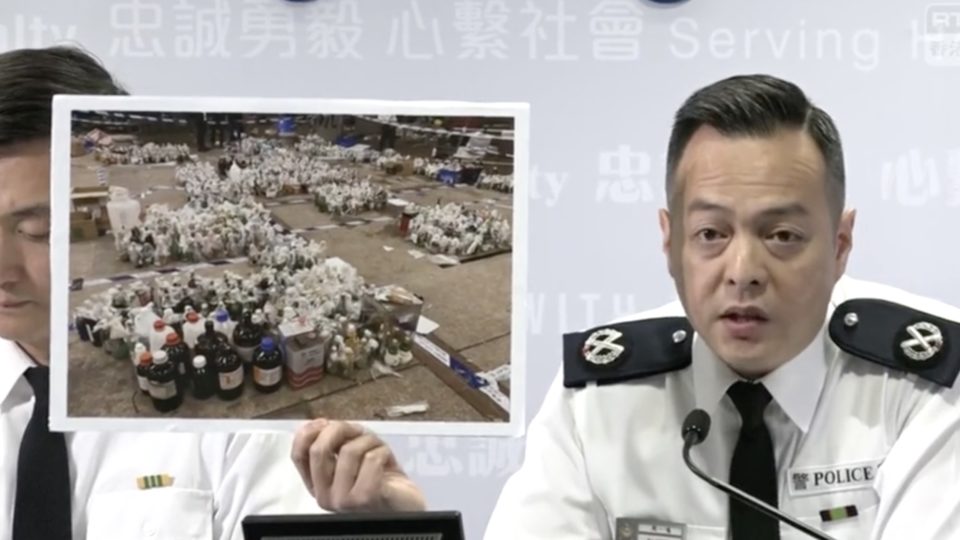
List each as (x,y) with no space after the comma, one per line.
(470,302)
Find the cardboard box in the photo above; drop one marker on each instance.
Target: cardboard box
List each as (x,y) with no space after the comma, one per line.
(76,147)
(92,200)
(83,227)
(406,316)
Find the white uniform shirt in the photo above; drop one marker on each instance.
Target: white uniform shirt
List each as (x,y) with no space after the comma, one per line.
(218,478)
(879,439)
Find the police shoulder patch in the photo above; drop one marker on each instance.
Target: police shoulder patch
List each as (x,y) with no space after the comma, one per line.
(628,350)
(899,337)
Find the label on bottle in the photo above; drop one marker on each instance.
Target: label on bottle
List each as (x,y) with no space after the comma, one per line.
(229,381)
(144,383)
(267,377)
(167,390)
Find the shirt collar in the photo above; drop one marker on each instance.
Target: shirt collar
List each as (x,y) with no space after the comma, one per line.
(795,385)
(13,362)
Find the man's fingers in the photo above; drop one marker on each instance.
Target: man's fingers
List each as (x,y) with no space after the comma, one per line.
(351,458)
(300,452)
(368,487)
(323,458)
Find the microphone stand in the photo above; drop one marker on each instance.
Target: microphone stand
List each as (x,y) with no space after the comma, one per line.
(689,439)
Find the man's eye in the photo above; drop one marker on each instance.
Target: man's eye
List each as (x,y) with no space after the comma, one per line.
(708,235)
(786,236)
(36,234)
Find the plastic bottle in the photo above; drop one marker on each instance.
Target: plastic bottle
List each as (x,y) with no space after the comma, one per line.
(138,350)
(223,324)
(204,379)
(192,329)
(158,337)
(229,374)
(164,391)
(267,367)
(173,320)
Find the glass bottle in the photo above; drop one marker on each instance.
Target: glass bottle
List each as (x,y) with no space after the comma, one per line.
(246,339)
(229,374)
(204,379)
(267,367)
(164,391)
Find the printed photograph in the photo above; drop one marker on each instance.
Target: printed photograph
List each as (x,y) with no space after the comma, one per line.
(250,265)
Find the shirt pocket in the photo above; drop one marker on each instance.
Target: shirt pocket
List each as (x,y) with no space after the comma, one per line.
(158,514)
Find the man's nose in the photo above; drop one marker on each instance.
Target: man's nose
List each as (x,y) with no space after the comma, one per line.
(746,268)
(11,258)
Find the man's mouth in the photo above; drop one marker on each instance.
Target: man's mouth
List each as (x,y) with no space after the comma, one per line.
(745,314)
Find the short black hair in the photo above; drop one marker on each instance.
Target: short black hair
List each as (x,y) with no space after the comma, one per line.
(758,105)
(29,78)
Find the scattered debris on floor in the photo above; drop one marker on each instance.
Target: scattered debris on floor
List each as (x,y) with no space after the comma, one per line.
(404,410)
(379,369)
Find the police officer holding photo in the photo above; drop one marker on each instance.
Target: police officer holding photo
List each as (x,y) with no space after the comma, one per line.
(830,399)
(104,486)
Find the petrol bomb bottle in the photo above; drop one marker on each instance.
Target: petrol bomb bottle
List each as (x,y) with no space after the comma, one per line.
(204,378)
(193,327)
(229,374)
(164,391)
(246,339)
(179,355)
(144,364)
(210,341)
(267,366)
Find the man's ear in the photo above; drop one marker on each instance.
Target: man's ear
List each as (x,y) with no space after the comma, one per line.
(667,244)
(844,240)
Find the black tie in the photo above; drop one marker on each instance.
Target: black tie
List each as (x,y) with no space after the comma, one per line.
(42,508)
(753,468)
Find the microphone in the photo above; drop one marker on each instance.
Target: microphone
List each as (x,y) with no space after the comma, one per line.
(696,426)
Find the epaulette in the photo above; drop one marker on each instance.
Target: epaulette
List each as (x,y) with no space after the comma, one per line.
(898,337)
(628,350)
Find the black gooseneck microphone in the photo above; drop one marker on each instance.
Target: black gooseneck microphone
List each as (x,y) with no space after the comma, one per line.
(696,426)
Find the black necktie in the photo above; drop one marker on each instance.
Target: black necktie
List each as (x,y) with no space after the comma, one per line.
(42,508)
(753,468)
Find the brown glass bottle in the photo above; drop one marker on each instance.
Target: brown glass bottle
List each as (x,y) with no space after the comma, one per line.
(246,339)
(210,341)
(164,392)
(229,374)
(179,355)
(144,363)
(204,377)
(267,367)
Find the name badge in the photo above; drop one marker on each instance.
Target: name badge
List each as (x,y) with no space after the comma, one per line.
(832,478)
(639,529)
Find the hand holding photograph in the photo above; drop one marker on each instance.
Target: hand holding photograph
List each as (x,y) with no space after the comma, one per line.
(241,264)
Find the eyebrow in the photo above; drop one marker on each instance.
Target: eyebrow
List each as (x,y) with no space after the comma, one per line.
(786,210)
(40,210)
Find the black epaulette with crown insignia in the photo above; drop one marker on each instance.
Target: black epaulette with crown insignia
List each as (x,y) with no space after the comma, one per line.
(899,337)
(628,350)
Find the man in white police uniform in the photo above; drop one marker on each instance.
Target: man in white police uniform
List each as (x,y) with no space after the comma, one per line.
(832,399)
(125,486)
